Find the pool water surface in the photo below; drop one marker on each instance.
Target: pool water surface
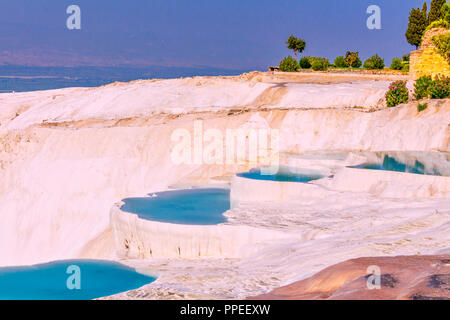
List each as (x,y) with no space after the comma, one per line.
(189,207)
(283,175)
(51,281)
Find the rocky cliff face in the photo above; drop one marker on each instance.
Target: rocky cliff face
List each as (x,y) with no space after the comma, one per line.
(426,60)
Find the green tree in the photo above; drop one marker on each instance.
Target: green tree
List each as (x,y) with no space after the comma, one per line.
(295,44)
(435,10)
(352,59)
(425,13)
(339,62)
(374,63)
(416,27)
(445,11)
(397,64)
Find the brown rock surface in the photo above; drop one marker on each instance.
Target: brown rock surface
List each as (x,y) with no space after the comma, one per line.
(427,60)
(405,277)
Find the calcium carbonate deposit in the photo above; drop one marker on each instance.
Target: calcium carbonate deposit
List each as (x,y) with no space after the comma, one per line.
(68,157)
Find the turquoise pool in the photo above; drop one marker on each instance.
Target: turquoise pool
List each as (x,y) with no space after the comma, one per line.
(191,206)
(50,281)
(390,163)
(283,175)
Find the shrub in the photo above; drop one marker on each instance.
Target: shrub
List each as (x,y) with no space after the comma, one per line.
(352,59)
(397,93)
(319,64)
(438,24)
(421,106)
(289,64)
(339,62)
(357,63)
(440,87)
(374,63)
(305,63)
(442,43)
(422,87)
(397,64)
(405,67)
(405,62)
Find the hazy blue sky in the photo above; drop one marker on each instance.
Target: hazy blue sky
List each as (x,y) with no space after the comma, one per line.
(222,33)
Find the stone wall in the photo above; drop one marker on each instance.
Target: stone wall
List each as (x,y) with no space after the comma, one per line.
(426,60)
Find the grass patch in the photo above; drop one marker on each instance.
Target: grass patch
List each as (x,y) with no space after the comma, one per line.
(422,106)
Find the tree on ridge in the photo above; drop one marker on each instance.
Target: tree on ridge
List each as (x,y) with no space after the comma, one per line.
(435,10)
(416,27)
(295,44)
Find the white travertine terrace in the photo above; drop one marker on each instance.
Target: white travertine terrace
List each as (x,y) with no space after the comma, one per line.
(375,182)
(138,238)
(390,184)
(252,190)
(66,156)
(145,98)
